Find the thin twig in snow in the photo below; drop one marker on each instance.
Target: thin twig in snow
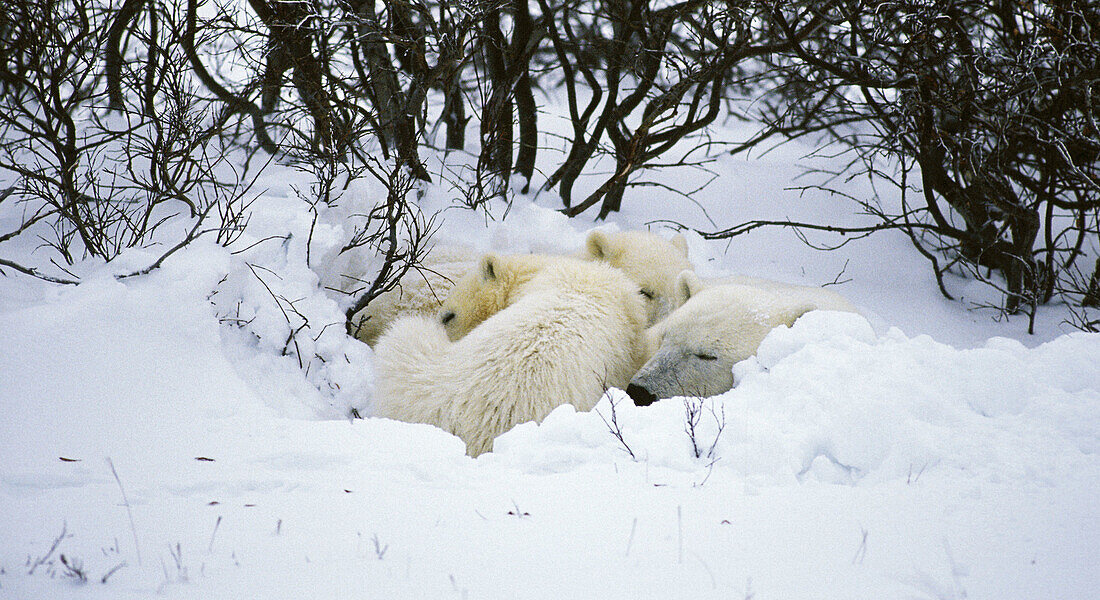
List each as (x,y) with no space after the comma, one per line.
(210,548)
(126,503)
(861,551)
(615,428)
(45,557)
(111,572)
(630,540)
(74,568)
(680,533)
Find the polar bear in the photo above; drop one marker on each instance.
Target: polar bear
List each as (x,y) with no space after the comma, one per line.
(693,350)
(497,281)
(650,260)
(420,291)
(574,331)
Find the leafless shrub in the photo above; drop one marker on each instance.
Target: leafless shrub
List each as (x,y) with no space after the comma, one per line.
(317,68)
(102,168)
(615,427)
(395,230)
(1083,315)
(329,176)
(991,106)
(693,416)
(286,306)
(643,78)
(693,413)
(137,123)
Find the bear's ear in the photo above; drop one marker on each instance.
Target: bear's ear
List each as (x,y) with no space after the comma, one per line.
(687,285)
(598,245)
(681,243)
(488,267)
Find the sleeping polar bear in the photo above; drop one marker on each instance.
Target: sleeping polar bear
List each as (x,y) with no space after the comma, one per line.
(693,350)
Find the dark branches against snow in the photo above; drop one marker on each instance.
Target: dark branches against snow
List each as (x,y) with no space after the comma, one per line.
(118,119)
(614,427)
(992,109)
(394,230)
(105,154)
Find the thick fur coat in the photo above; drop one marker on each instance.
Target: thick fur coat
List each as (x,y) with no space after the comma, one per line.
(572,332)
(648,259)
(693,350)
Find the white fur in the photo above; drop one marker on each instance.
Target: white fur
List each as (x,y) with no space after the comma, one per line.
(652,261)
(496,282)
(649,260)
(692,351)
(574,332)
(420,291)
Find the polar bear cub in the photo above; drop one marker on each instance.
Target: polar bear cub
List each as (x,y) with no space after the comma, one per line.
(495,284)
(693,350)
(420,291)
(573,330)
(652,261)
(648,259)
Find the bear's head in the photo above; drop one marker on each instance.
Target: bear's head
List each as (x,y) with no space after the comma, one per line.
(648,259)
(693,350)
(486,290)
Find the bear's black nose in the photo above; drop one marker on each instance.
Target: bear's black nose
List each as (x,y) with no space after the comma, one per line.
(640,395)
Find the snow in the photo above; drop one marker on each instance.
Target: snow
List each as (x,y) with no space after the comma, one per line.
(185,448)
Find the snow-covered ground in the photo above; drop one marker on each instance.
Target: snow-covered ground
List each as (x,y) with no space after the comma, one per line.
(163,437)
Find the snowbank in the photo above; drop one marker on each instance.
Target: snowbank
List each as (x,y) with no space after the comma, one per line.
(844,464)
(189,434)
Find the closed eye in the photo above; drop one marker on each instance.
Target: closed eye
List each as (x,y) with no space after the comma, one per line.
(705,356)
(648,295)
(447,317)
